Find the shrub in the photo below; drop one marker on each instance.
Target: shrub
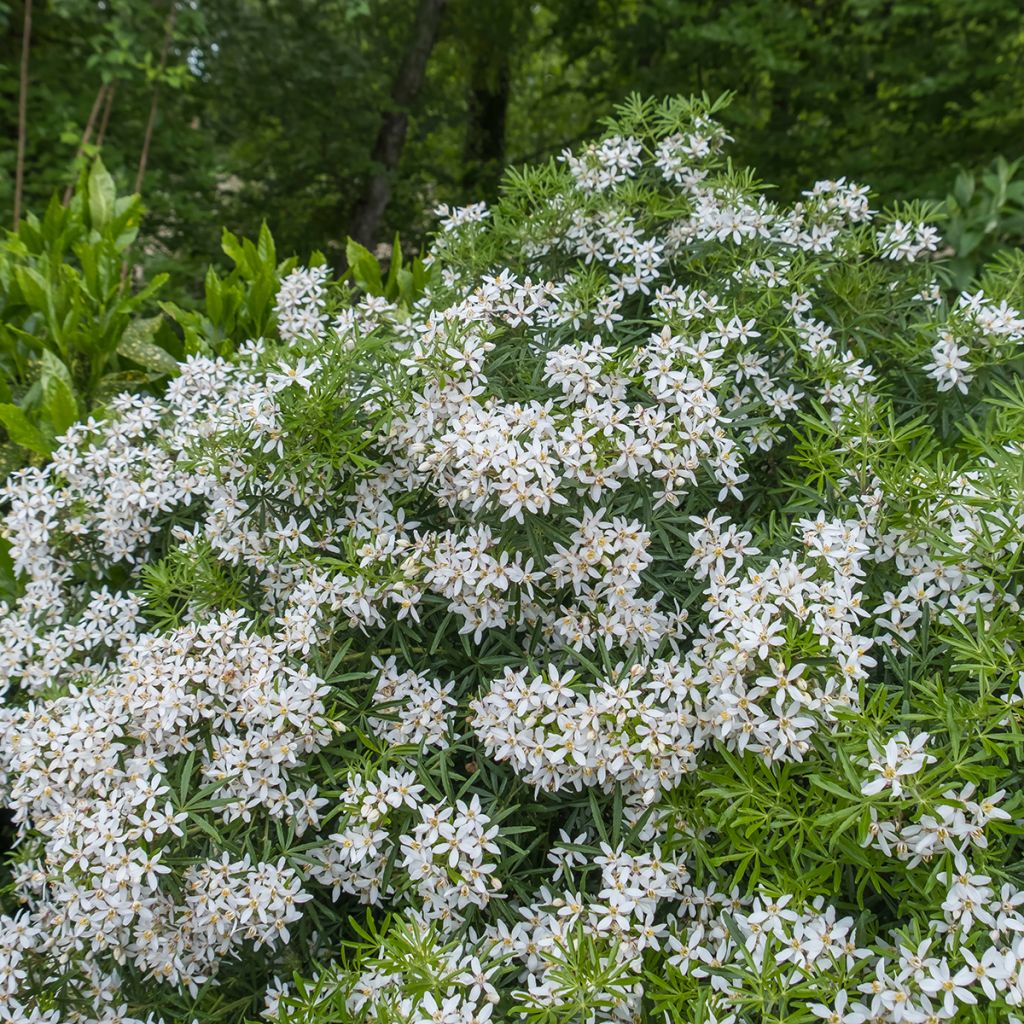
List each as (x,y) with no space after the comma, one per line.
(984,215)
(72,333)
(627,629)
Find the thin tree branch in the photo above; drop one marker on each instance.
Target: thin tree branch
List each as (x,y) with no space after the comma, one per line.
(151,120)
(106,116)
(86,135)
(19,172)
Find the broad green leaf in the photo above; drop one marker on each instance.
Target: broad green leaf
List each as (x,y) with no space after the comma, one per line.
(265,247)
(136,345)
(59,402)
(21,431)
(231,247)
(214,297)
(406,290)
(53,221)
(102,194)
(12,457)
(365,269)
(33,288)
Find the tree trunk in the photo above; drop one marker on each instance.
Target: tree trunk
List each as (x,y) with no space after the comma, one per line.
(484,151)
(19,167)
(387,150)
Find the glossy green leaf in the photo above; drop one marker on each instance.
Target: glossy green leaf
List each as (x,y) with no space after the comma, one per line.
(365,268)
(21,431)
(59,402)
(137,345)
(102,193)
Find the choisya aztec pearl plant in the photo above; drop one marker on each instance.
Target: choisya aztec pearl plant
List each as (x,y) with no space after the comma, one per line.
(627,630)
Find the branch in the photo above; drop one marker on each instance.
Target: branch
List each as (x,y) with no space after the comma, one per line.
(19,173)
(86,135)
(172,14)
(106,116)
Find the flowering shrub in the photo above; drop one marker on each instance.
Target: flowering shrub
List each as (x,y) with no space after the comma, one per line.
(627,630)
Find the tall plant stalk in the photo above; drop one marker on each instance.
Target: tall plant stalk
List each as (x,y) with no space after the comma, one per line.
(19,171)
(172,15)
(87,133)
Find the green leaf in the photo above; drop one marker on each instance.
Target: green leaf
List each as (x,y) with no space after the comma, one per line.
(265,247)
(231,246)
(102,194)
(135,344)
(205,826)
(406,286)
(21,431)
(8,577)
(392,288)
(59,401)
(365,269)
(186,776)
(214,290)
(830,787)
(113,384)
(33,287)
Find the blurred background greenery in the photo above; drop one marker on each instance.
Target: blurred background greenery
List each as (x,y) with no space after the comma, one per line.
(338,117)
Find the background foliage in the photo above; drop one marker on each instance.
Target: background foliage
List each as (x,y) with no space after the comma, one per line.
(267,105)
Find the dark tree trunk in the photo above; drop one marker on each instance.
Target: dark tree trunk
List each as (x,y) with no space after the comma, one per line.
(484,153)
(387,150)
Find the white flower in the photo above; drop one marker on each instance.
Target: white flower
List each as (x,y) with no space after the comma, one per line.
(899,758)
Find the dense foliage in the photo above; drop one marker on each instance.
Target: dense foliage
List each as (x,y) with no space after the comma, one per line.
(71,333)
(223,112)
(628,628)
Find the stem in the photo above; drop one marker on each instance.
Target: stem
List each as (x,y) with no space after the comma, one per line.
(151,120)
(86,135)
(144,156)
(106,117)
(19,173)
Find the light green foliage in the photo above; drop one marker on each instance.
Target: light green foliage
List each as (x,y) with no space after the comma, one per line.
(237,305)
(72,326)
(403,283)
(985,213)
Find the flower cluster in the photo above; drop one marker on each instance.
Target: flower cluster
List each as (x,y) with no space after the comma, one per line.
(974,324)
(623,630)
(90,774)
